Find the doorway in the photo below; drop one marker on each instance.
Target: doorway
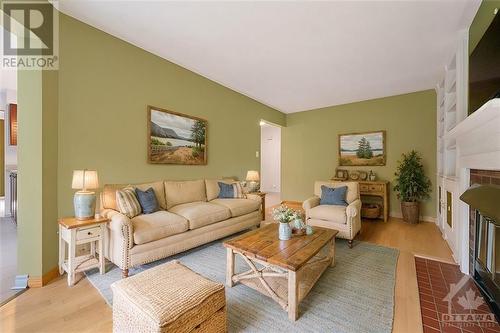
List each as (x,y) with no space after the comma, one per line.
(270,162)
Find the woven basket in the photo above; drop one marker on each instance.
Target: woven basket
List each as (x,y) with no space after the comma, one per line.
(370,211)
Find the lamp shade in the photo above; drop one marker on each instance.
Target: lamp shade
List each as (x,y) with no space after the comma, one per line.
(252,176)
(85,180)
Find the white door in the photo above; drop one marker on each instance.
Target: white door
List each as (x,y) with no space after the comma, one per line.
(270,162)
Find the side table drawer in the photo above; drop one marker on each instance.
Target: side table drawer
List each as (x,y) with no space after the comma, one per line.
(376,188)
(88,233)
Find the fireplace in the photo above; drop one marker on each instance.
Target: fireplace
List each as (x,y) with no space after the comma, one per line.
(483,198)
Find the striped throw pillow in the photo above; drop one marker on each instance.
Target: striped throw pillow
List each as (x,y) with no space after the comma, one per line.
(127,202)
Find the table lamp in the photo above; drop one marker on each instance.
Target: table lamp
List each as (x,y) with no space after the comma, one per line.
(84,200)
(253,179)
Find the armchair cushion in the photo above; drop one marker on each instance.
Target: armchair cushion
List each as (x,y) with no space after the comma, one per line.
(336,214)
(333,195)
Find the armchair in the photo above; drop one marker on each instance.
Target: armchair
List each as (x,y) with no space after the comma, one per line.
(345,219)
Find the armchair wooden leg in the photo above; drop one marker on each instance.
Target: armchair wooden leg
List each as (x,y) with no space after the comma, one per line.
(124,273)
(350,243)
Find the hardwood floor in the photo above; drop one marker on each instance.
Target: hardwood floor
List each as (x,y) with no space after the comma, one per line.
(59,308)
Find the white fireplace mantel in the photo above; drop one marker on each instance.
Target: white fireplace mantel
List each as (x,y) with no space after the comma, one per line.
(476,140)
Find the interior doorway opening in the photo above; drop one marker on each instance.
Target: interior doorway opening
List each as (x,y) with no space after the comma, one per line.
(270,162)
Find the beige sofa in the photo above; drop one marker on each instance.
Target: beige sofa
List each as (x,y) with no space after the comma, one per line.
(345,219)
(190,215)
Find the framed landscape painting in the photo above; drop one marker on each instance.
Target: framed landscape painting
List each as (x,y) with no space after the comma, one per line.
(362,148)
(175,138)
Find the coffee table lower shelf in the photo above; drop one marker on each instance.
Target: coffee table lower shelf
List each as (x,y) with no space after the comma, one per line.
(286,287)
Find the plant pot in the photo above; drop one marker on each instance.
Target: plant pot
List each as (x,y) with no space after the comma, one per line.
(411,211)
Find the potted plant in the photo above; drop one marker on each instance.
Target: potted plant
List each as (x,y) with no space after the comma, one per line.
(412,185)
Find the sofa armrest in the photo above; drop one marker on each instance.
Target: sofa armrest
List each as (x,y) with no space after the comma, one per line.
(120,225)
(354,208)
(254,197)
(311,203)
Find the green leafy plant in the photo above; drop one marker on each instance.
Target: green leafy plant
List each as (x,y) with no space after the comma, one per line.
(411,182)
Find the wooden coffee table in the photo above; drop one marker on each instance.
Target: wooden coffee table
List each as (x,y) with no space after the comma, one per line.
(284,270)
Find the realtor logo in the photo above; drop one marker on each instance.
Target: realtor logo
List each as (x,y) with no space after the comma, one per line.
(30,35)
(470,301)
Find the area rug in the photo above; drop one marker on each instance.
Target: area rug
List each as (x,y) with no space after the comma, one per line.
(355,296)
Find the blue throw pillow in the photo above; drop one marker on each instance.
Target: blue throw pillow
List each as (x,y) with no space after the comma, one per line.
(333,196)
(226,191)
(147,200)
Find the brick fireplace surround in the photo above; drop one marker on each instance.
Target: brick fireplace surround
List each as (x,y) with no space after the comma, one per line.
(480,177)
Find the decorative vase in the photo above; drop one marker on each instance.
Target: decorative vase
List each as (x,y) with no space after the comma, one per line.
(285,232)
(309,230)
(372,176)
(411,211)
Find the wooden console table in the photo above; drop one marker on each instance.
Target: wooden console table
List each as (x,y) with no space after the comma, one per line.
(377,189)
(374,189)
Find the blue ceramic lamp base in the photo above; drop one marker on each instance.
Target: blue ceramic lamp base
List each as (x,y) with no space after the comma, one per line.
(84,202)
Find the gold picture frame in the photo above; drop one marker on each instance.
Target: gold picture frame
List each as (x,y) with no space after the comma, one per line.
(175,138)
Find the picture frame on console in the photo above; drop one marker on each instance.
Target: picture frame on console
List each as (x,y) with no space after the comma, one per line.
(175,138)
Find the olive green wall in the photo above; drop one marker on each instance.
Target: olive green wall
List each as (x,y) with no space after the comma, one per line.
(481,22)
(310,150)
(105,85)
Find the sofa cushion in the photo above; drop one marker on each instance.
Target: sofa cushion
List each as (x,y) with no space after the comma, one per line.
(200,213)
(109,193)
(157,225)
(181,192)
(147,200)
(352,189)
(159,190)
(213,188)
(335,214)
(238,207)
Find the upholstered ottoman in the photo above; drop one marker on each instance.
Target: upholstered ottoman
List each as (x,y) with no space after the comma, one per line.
(168,298)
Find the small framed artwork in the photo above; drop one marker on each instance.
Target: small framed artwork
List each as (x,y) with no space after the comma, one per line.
(341,174)
(175,138)
(362,149)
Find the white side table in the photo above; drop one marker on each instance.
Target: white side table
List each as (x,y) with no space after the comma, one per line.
(75,232)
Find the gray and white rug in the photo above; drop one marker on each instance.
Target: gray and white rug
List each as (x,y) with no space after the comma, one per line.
(355,296)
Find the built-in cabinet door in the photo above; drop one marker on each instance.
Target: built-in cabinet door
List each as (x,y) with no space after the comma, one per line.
(449,210)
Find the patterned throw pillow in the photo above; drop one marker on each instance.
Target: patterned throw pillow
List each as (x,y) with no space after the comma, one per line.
(127,202)
(230,191)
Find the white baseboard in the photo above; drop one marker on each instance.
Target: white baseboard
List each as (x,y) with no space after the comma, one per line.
(422,218)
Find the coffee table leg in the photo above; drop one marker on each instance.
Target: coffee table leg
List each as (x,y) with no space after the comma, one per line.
(293,302)
(229,267)
(332,252)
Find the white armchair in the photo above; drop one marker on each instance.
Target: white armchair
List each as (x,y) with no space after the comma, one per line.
(345,219)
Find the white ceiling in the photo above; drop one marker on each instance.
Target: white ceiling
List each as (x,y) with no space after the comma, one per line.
(293,56)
